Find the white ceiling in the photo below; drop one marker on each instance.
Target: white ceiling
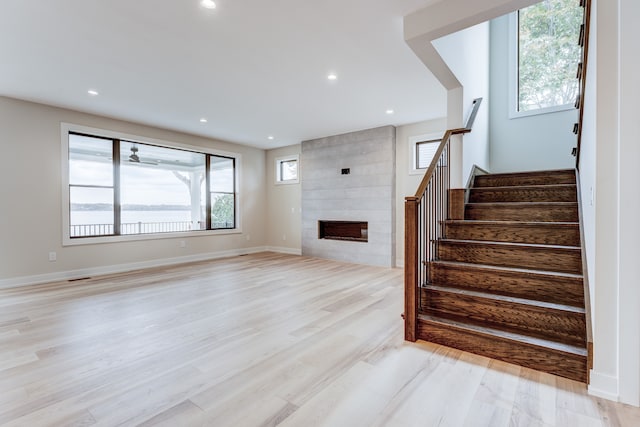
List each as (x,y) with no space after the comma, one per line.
(252,68)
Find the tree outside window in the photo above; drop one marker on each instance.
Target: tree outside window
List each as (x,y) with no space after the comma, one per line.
(548,54)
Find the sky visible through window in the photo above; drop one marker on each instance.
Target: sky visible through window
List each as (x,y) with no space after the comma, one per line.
(154,183)
(157,184)
(153,186)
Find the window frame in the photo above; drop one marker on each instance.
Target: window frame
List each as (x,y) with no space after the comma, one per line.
(67,240)
(278,169)
(514,75)
(209,192)
(414,141)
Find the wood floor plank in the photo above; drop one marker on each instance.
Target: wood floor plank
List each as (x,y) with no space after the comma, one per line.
(185,412)
(341,402)
(259,340)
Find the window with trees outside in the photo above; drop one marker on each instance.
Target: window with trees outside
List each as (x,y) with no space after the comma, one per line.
(119,187)
(547,56)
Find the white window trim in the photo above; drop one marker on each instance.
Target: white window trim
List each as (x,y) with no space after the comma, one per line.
(413,141)
(65,128)
(279,160)
(513,77)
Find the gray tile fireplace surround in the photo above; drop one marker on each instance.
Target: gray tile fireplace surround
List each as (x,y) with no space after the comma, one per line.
(366,192)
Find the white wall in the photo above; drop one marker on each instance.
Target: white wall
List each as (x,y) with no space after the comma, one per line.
(283,205)
(629,206)
(536,142)
(609,165)
(407,183)
(466,53)
(30,193)
(605,375)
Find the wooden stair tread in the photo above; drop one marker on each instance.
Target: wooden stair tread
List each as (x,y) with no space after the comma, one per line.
(509,244)
(525,271)
(494,192)
(524,204)
(506,223)
(522,211)
(507,254)
(502,298)
(510,336)
(525,187)
(565,176)
(529,231)
(531,173)
(519,282)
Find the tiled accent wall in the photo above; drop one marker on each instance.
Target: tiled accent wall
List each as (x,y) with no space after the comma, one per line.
(367,193)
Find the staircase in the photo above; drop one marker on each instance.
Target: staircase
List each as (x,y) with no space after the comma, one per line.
(507,280)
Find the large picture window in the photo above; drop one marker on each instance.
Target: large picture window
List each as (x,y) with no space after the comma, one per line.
(121,187)
(546,55)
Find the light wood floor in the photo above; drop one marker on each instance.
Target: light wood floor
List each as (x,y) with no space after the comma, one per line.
(259,340)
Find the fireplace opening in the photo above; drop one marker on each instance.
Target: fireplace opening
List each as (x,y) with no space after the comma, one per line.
(356,231)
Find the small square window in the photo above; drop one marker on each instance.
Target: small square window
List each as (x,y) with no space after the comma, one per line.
(425,150)
(287,170)
(422,149)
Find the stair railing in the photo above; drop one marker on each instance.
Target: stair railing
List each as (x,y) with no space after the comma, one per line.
(425,214)
(582,75)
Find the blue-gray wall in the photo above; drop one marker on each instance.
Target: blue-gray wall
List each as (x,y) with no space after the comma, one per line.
(538,142)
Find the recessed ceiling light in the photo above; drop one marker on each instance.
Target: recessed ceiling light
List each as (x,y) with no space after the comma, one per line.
(332,76)
(209,4)
(203,120)
(92,92)
(389,111)
(270,137)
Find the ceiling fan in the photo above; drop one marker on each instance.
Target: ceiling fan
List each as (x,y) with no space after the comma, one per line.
(134,158)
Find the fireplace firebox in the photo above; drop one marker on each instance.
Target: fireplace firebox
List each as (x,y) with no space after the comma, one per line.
(356,231)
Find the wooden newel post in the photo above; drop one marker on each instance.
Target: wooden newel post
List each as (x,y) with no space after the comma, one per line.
(410,268)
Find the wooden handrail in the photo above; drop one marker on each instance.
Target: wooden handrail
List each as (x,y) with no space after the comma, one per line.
(434,162)
(424,216)
(582,73)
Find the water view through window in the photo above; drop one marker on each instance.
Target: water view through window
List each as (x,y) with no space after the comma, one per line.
(122,188)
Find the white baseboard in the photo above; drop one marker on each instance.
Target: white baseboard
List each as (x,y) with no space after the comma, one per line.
(604,386)
(282,250)
(122,268)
